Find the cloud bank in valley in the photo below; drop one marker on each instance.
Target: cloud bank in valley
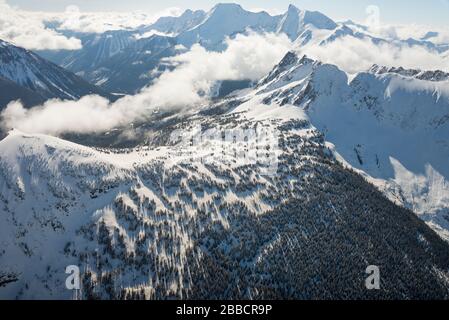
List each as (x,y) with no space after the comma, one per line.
(354,55)
(28,30)
(98,22)
(246,57)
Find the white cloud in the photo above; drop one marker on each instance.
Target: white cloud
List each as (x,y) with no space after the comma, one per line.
(27,30)
(247,57)
(354,55)
(404,31)
(98,22)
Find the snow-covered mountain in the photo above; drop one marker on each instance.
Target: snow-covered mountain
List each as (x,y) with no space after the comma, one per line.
(323,174)
(125,60)
(225,20)
(136,56)
(391,124)
(136,66)
(169,218)
(118,61)
(48,80)
(165,221)
(176,25)
(296,22)
(96,49)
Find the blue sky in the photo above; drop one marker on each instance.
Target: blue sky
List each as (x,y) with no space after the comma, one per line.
(430,12)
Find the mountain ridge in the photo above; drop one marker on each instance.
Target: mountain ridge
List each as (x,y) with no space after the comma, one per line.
(369,122)
(29,70)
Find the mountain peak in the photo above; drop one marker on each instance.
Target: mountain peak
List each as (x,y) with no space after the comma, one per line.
(430,35)
(189,13)
(294,21)
(289,59)
(293,9)
(227,7)
(319,20)
(291,62)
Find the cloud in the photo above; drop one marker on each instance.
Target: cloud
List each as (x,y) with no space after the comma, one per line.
(49,118)
(98,22)
(403,31)
(246,57)
(28,30)
(354,55)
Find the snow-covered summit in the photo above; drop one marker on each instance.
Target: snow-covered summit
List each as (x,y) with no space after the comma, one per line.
(224,20)
(175,25)
(295,21)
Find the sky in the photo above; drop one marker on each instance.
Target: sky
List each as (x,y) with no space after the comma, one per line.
(430,12)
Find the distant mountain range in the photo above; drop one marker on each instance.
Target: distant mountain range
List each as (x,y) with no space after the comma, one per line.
(125,61)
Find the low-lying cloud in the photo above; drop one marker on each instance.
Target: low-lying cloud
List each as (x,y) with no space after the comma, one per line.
(28,30)
(354,55)
(246,57)
(98,22)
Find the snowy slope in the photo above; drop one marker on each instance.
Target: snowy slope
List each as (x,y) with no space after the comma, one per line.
(174,218)
(10,91)
(160,222)
(118,61)
(229,19)
(295,22)
(389,123)
(135,66)
(127,60)
(29,70)
(176,25)
(96,49)
(124,60)
(226,20)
